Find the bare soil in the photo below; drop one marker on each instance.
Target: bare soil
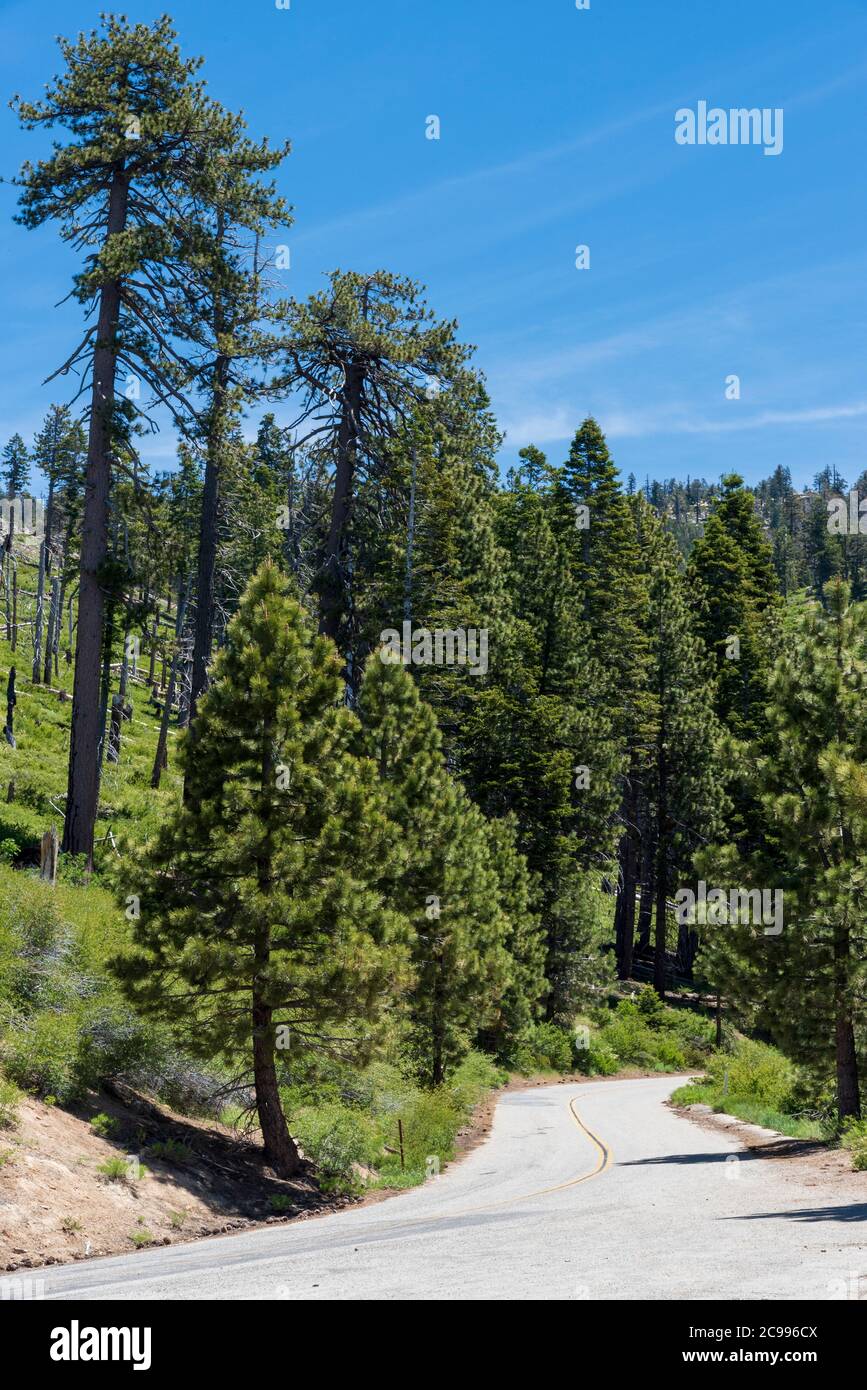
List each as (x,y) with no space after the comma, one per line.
(809,1162)
(56,1206)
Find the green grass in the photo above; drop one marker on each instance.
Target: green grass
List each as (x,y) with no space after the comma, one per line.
(122,1170)
(751,1111)
(171,1151)
(38,766)
(758,1084)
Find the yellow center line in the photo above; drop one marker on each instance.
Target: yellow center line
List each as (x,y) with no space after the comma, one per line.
(605,1160)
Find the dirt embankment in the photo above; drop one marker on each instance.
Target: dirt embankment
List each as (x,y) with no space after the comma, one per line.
(56,1205)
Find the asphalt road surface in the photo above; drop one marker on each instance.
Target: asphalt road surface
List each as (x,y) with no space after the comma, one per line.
(582,1191)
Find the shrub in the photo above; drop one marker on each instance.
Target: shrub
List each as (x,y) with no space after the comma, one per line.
(650,1006)
(757,1072)
(127,1170)
(476,1075)
(8,850)
(598,1059)
(40,1056)
(72,868)
(10,1098)
(103,1125)
(854,1140)
(544,1047)
(179,1082)
(113,1042)
(637,1044)
(334,1137)
(430,1123)
(142,1238)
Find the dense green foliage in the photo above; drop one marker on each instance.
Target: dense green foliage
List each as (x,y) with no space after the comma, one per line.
(393,765)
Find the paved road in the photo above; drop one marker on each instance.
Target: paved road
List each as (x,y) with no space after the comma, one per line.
(582,1191)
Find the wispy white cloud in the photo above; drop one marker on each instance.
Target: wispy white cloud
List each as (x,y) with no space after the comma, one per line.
(443,190)
(560,422)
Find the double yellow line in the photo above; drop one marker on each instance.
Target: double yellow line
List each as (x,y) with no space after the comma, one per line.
(604,1161)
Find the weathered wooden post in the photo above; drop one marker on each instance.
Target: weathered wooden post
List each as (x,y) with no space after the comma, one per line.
(48,856)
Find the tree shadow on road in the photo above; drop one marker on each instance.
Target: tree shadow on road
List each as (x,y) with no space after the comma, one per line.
(743,1156)
(853,1211)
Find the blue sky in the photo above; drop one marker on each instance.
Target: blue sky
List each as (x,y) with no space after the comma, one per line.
(557,129)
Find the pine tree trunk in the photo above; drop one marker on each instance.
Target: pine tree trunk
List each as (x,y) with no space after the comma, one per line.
(661,876)
(628,856)
(203,636)
(645,910)
(280,1148)
(82,796)
(848,1091)
(332,601)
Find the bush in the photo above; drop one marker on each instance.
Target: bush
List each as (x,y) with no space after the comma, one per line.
(179,1083)
(854,1140)
(333,1138)
(40,1056)
(127,1170)
(103,1125)
(598,1059)
(476,1075)
(430,1123)
(10,1097)
(544,1047)
(114,1042)
(639,1044)
(756,1072)
(650,1006)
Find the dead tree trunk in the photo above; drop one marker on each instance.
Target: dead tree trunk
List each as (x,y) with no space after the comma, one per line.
(52,636)
(37,625)
(161,758)
(11,702)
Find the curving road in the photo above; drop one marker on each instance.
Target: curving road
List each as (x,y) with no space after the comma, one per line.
(582,1191)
